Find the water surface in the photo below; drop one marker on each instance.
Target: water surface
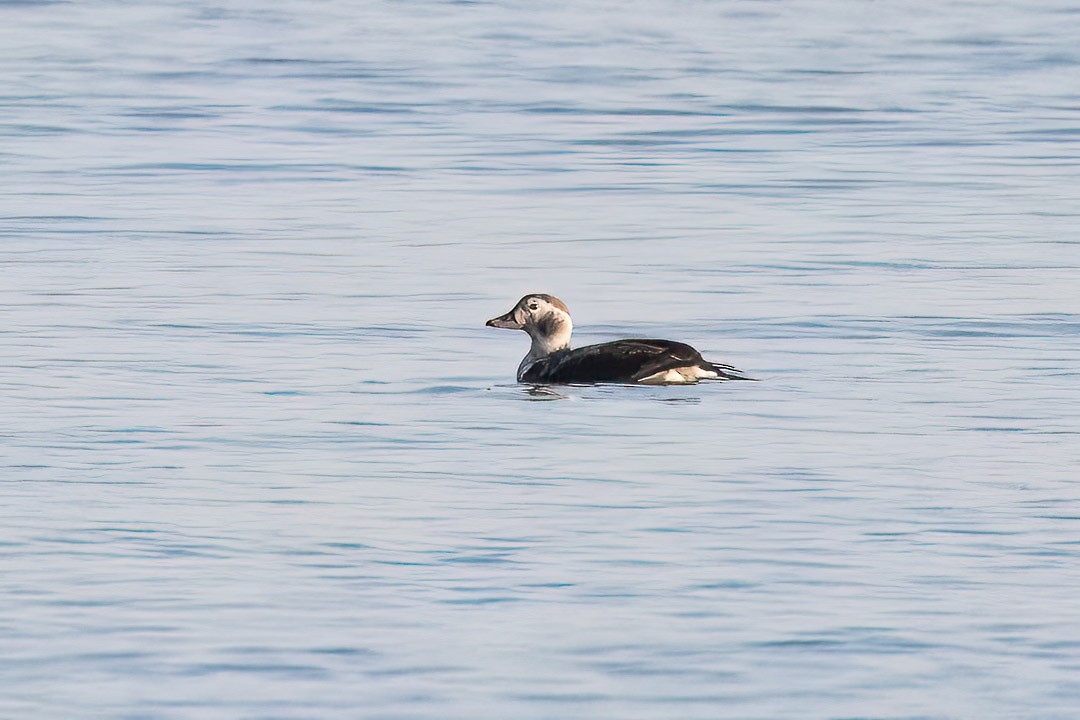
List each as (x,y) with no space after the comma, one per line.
(262,459)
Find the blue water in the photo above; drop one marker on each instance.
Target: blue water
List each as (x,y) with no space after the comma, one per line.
(261,459)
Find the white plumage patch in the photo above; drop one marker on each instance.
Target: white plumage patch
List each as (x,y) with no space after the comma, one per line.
(678,376)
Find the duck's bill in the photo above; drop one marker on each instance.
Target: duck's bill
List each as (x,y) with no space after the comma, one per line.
(505,321)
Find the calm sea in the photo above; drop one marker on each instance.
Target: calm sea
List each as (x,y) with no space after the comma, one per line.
(261,458)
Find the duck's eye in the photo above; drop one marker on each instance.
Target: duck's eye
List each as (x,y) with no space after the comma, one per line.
(534,306)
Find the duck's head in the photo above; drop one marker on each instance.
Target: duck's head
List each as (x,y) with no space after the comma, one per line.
(544,317)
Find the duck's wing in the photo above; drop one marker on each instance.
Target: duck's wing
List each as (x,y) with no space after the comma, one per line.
(622,361)
(681,355)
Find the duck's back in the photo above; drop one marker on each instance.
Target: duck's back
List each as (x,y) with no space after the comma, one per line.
(621,361)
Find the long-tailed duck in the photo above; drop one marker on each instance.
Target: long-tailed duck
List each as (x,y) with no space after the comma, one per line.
(646,362)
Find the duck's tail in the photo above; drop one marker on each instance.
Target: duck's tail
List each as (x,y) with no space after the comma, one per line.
(727,372)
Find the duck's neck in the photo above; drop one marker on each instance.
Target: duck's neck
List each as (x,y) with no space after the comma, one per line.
(548,338)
